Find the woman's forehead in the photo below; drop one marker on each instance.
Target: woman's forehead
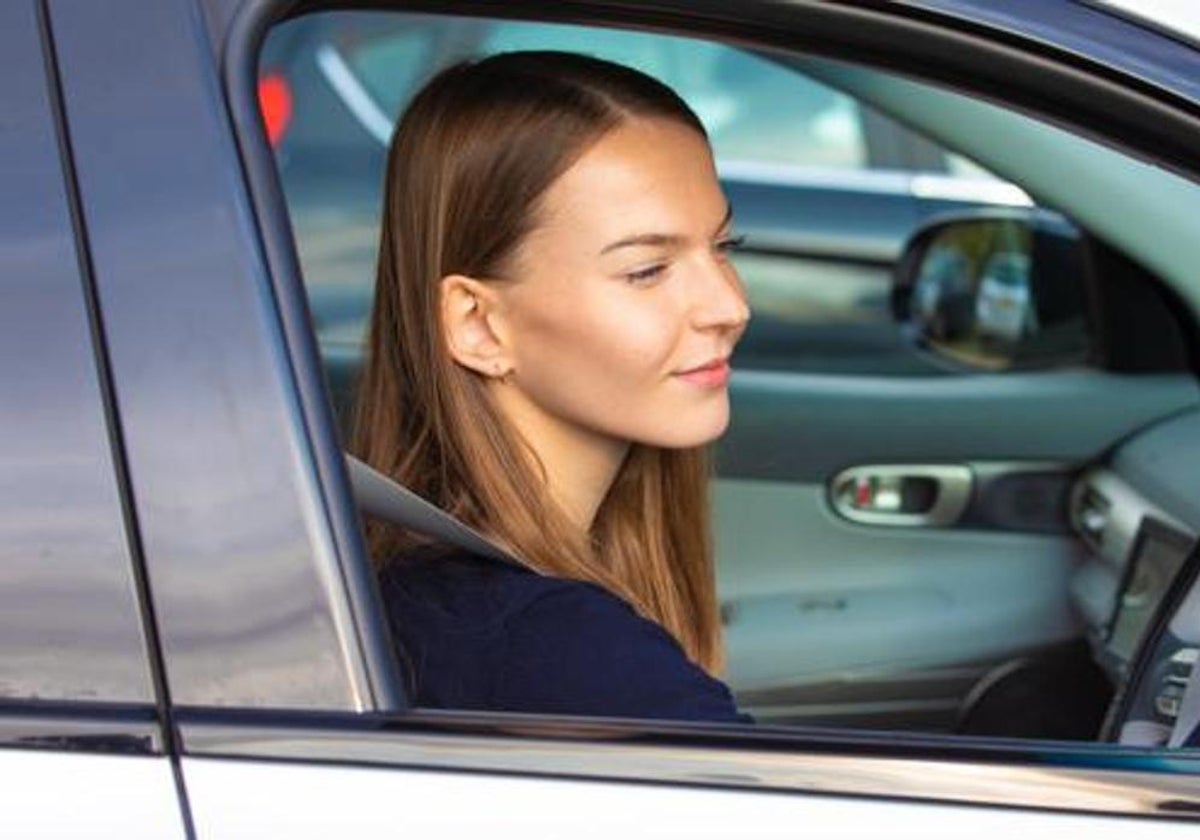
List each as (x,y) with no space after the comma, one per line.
(646,175)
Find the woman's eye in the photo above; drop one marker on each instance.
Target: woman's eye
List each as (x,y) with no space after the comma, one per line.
(645,275)
(730,243)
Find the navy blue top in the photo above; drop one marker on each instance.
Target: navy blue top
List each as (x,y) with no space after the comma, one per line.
(477,633)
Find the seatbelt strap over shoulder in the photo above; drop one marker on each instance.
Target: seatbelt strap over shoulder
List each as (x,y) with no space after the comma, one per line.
(384,498)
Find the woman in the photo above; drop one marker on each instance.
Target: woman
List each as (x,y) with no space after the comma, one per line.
(547,359)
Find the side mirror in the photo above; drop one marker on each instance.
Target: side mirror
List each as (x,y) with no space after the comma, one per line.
(996,290)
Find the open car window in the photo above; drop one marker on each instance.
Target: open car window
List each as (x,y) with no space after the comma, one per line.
(900,541)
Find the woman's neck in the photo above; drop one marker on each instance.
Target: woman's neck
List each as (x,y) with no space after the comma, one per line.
(580,466)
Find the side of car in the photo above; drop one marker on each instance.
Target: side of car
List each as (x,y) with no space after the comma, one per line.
(245,679)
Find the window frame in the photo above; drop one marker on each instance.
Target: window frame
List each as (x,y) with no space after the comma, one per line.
(1047,82)
(77,456)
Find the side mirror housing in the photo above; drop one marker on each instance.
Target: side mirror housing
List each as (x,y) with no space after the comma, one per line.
(995,290)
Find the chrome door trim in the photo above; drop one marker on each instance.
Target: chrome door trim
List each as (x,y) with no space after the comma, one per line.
(954,482)
(1087,778)
(83,727)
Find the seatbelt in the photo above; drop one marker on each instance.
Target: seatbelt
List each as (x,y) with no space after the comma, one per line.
(382,497)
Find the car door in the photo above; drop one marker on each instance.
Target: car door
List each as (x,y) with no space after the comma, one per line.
(83,749)
(285,710)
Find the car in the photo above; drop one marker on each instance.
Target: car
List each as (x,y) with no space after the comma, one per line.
(1004,306)
(944,295)
(958,596)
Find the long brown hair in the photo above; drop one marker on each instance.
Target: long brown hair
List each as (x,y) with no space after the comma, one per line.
(471,157)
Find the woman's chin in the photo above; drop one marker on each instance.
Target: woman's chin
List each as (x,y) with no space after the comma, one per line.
(690,429)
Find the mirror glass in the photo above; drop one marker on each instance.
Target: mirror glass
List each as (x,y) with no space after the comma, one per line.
(979,289)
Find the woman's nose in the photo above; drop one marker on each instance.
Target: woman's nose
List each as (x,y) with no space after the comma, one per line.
(721,299)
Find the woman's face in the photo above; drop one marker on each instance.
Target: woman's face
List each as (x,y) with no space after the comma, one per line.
(624,307)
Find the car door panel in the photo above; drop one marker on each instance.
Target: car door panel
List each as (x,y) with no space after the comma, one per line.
(301,802)
(67,794)
(313,791)
(804,429)
(807,427)
(829,620)
(297,776)
(208,483)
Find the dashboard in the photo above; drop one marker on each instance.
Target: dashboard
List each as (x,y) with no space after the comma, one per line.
(1138,518)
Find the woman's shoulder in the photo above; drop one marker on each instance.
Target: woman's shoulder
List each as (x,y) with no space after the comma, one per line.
(579,649)
(535,643)
(473,591)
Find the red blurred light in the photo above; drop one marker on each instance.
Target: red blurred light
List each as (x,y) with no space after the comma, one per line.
(275,103)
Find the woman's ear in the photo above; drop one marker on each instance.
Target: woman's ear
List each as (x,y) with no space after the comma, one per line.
(469,323)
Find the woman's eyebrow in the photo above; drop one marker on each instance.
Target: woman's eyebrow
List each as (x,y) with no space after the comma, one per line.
(660,239)
(643,239)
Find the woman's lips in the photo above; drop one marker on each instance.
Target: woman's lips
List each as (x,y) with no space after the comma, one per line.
(715,374)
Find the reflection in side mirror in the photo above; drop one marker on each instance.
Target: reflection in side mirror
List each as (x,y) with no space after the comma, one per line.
(998,290)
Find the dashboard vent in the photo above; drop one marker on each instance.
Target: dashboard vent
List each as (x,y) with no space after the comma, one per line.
(1091,515)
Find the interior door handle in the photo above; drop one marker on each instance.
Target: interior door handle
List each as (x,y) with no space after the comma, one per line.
(907,495)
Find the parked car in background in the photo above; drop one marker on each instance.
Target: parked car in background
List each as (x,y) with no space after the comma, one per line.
(944,295)
(1004,304)
(958,582)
